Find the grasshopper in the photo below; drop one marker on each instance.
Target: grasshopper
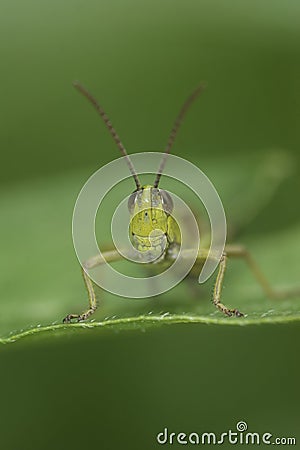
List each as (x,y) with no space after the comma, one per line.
(150,209)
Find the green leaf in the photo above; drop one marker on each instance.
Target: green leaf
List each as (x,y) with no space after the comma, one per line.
(41,281)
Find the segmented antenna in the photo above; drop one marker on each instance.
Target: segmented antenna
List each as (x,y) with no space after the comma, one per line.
(111,130)
(177,123)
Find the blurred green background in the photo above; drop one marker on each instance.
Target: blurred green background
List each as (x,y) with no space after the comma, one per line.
(141,59)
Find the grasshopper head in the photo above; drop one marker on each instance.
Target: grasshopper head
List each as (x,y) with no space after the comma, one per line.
(150,209)
(151,226)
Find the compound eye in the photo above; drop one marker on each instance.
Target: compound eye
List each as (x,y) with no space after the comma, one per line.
(167,201)
(131,201)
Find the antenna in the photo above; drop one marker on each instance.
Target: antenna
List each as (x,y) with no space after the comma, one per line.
(110,128)
(177,123)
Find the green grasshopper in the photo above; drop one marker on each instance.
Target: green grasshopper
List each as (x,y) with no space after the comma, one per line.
(158,216)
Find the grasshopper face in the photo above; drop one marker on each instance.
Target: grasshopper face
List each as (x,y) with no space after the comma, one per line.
(152,228)
(150,210)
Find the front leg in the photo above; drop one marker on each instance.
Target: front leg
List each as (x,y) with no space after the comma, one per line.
(218,289)
(108,256)
(92,302)
(234,251)
(201,258)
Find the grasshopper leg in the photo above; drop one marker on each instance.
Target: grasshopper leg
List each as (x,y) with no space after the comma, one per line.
(108,256)
(202,256)
(218,289)
(92,302)
(237,251)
